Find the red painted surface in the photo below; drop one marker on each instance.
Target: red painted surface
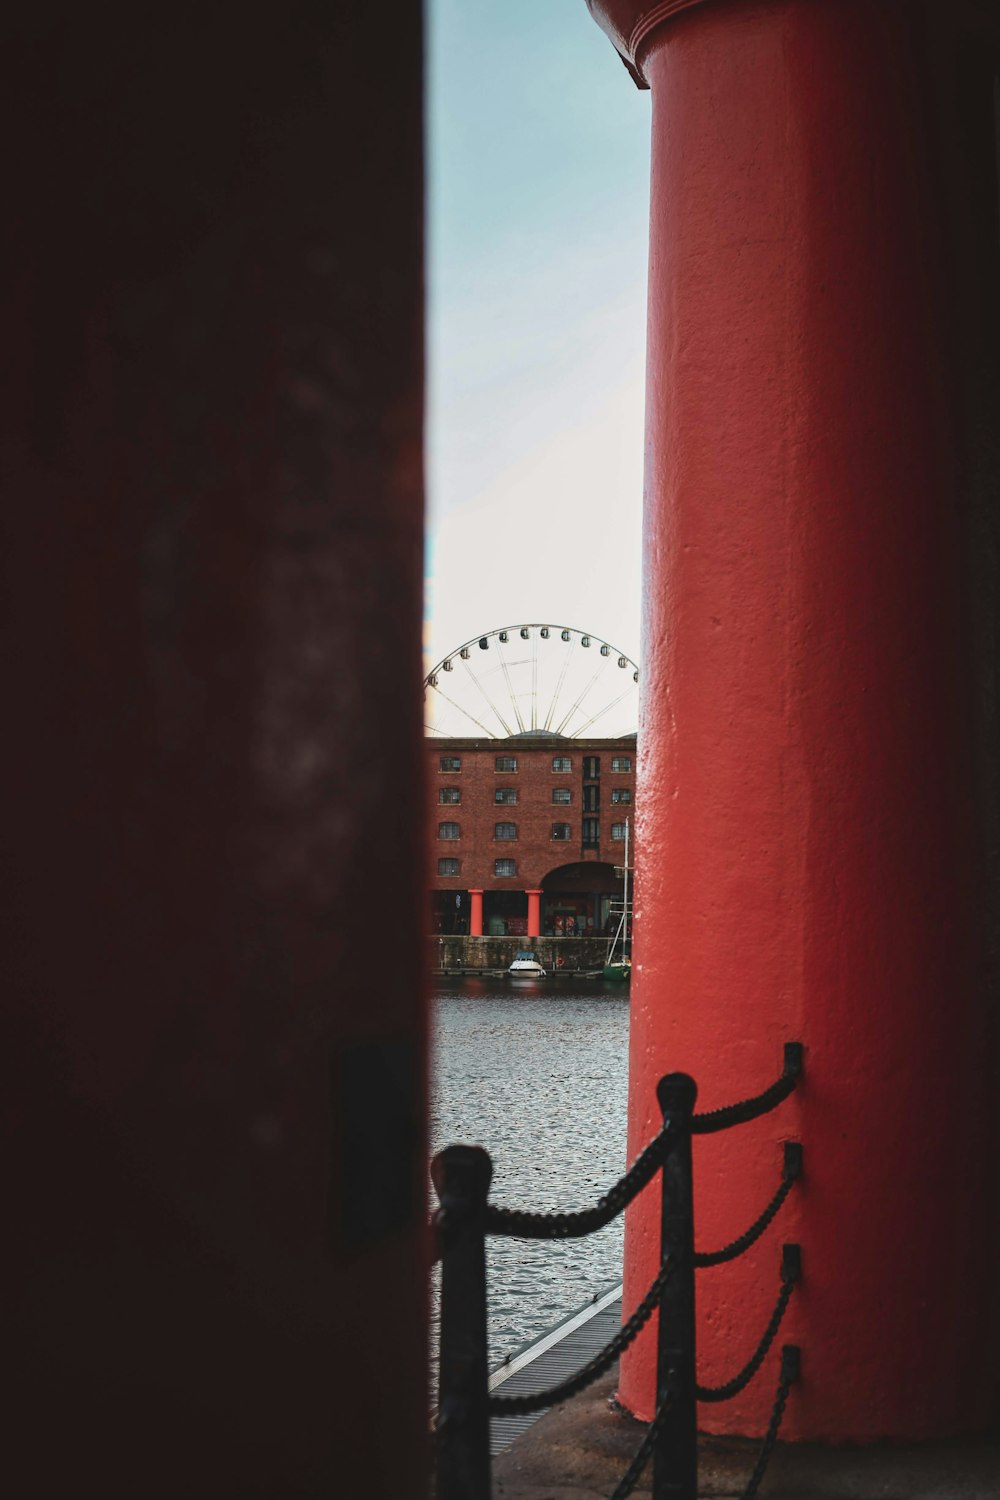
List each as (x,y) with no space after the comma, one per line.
(803,822)
(475,913)
(534,913)
(211,444)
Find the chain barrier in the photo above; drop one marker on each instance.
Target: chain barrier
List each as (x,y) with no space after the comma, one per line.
(634,1472)
(509,1406)
(792,1171)
(530,1226)
(761,1104)
(459,1229)
(790,1362)
(791,1270)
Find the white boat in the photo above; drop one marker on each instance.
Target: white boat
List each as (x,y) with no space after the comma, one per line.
(527,966)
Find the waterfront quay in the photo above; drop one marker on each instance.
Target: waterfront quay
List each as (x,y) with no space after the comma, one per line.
(457,955)
(579,1451)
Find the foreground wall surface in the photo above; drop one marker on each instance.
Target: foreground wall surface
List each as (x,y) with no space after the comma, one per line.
(211,429)
(807,839)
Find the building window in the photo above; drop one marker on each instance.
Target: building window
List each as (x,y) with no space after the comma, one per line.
(621,762)
(505,867)
(505,831)
(561,763)
(591,798)
(591,833)
(506,762)
(592,767)
(449,794)
(618,832)
(561,794)
(450,763)
(621,794)
(505,794)
(449,831)
(448,866)
(561,831)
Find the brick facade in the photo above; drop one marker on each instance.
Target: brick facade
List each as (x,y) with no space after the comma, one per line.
(575,874)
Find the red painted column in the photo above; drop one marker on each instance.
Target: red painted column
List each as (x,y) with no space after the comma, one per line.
(803,828)
(475,913)
(534,913)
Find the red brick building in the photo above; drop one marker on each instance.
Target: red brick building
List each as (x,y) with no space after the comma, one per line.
(526,833)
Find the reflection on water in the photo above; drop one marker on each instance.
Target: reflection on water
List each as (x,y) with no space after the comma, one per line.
(536,1073)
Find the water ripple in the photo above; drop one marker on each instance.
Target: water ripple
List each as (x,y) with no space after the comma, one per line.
(536,1073)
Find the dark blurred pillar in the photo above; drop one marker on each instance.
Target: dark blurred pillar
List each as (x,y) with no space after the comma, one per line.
(211,455)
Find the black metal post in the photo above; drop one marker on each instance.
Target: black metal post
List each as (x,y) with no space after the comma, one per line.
(462,1176)
(675,1456)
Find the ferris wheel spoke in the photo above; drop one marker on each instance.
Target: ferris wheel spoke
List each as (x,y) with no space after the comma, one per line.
(513,695)
(602,711)
(466,713)
(487,699)
(534,682)
(559,687)
(579,700)
(531,689)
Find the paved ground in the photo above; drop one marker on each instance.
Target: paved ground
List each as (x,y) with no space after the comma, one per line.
(580,1450)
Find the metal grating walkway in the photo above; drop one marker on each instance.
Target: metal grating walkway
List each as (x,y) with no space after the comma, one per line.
(558,1354)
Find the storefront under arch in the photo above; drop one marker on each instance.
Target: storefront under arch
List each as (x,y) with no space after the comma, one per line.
(577,899)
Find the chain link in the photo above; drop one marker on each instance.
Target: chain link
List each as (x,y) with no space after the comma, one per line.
(530,1226)
(789,1276)
(751,1109)
(510,1406)
(521,1224)
(633,1473)
(789,1375)
(792,1170)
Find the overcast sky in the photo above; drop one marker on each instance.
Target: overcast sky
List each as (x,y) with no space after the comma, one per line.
(538,160)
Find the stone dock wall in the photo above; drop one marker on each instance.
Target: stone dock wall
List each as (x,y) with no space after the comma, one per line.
(476,955)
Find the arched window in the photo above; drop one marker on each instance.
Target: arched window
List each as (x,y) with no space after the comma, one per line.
(505,831)
(561,831)
(504,867)
(449,831)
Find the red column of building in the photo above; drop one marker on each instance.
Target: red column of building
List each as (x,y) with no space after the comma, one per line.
(802,828)
(475,913)
(534,913)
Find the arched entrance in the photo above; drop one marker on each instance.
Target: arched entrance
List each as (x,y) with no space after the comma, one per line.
(577,899)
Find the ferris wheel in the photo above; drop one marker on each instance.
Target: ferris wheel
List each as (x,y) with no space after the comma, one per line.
(533,680)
